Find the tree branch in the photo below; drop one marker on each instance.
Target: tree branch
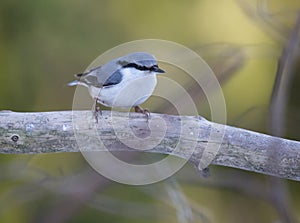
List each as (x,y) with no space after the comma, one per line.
(51,132)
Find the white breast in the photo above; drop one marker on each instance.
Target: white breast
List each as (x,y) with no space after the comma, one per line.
(134,90)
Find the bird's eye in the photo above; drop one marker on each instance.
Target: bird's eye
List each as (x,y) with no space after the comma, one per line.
(134,65)
(153,68)
(139,67)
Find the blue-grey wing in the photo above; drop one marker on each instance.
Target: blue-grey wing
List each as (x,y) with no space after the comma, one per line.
(101,76)
(113,79)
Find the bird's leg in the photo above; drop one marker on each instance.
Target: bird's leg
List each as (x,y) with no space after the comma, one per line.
(96,110)
(138,109)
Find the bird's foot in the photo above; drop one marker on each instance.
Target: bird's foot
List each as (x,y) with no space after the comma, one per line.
(138,109)
(97,112)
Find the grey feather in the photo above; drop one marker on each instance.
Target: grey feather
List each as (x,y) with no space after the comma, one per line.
(73,83)
(115,78)
(108,74)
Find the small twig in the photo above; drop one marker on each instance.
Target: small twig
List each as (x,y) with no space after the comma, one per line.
(284,77)
(278,105)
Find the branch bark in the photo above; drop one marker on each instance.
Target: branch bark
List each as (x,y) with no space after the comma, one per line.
(51,132)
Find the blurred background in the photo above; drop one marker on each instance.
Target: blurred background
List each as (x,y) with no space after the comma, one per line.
(253,48)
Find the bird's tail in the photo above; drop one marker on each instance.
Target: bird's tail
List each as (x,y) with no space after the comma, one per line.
(73,83)
(77,82)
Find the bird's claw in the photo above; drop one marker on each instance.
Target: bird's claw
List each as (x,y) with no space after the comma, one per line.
(138,109)
(97,111)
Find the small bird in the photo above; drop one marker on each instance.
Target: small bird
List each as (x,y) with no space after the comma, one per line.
(124,82)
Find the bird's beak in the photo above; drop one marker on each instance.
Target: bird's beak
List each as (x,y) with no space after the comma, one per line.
(158,70)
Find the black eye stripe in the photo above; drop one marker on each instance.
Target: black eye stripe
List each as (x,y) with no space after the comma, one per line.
(143,68)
